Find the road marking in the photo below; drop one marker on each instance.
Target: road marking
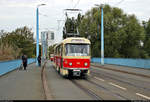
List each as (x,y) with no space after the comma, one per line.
(143,96)
(99,79)
(118,86)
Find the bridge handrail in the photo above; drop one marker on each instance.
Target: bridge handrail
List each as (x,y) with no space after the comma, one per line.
(138,63)
(10,65)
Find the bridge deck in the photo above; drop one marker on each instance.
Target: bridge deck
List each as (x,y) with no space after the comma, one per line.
(22,85)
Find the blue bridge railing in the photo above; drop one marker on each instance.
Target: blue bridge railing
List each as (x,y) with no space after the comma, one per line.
(7,66)
(138,63)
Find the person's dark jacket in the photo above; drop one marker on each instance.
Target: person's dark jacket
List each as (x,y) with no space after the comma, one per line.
(24,60)
(39,59)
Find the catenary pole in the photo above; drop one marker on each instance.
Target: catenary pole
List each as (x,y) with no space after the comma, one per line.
(37,35)
(37,32)
(102,37)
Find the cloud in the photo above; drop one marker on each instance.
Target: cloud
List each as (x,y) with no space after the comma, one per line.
(20,3)
(16,13)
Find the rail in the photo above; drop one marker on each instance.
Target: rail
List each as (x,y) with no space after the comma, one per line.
(86,90)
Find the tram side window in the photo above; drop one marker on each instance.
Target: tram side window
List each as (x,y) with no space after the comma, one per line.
(57,51)
(61,50)
(66,50)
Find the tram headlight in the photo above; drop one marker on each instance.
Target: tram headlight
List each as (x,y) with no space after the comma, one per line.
(70,64)
(85,64)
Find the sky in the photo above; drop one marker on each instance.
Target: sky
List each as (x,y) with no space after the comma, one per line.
(19,13)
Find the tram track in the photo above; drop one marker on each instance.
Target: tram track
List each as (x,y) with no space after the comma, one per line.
(109,92)
(94,95)
(141,91)
(90,92)
(109,76)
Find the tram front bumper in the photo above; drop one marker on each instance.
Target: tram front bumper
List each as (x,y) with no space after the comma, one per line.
(77,71)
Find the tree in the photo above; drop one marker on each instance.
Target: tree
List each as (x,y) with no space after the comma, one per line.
(22,39)
(146,26)
(122,32)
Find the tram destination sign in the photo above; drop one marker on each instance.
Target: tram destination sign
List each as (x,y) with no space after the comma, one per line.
(77,41)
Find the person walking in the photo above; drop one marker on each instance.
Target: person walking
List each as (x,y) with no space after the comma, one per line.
(39,60)
(24,61)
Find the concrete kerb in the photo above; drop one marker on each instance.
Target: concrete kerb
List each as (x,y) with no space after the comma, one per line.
(48,96)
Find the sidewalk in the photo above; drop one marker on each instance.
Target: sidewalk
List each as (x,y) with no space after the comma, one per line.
(22,84)
(139,71)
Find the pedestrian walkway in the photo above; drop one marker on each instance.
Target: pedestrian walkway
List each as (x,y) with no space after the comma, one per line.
(138,71)
(22,84)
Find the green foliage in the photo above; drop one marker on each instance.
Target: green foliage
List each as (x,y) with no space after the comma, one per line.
(122,33)
(146,26)
(51,49)
(22,39)
(147,46)
(8,51)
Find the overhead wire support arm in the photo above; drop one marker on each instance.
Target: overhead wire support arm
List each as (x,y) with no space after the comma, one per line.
(73,9)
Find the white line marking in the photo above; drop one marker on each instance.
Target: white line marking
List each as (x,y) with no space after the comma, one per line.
(143,96)
(118,86)
(99,79)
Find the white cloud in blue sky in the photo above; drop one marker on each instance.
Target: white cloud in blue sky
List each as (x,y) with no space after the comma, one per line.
(18,13)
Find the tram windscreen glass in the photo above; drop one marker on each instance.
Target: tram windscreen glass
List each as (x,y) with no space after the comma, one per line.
(77,49)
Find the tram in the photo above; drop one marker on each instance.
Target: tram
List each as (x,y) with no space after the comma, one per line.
(52,57)
(72,57)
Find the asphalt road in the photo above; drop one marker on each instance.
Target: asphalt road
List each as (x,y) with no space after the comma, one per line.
(128,86)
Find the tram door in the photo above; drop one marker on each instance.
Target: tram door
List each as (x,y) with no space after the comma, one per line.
(61,50)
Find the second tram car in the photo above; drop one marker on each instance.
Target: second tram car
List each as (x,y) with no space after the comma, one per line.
(52,57)
(72,57)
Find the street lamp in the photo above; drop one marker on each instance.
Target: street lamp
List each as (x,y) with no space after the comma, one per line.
(37,32)
(102,34)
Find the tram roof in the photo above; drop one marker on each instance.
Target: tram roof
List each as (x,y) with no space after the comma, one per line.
(76,40)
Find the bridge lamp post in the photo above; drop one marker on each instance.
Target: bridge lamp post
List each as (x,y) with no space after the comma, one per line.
(102,34)
(37,32)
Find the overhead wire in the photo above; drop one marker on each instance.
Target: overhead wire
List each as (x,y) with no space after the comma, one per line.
(119,2)
(63,14)
(76,4)
(73,8)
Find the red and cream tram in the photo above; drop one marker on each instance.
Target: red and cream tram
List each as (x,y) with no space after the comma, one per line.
(72,57)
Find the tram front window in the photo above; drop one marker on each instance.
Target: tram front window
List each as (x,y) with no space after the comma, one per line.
(77,50)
